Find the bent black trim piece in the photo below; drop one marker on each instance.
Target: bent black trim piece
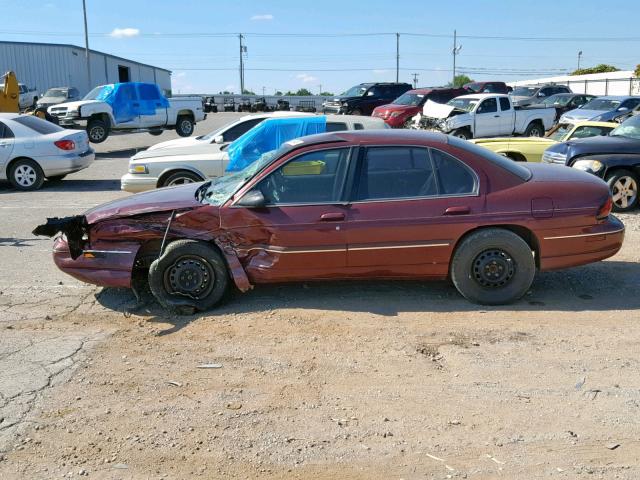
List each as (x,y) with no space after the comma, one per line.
(75,228)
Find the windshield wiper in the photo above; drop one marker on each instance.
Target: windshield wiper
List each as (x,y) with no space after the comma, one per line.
(201,189)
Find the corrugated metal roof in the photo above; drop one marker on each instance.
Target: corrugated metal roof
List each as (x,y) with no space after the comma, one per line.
(68,45)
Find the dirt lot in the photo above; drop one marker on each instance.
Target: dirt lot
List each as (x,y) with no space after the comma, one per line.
(348,380)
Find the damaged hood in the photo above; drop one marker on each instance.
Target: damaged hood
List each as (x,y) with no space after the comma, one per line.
(437,110)
(161,200)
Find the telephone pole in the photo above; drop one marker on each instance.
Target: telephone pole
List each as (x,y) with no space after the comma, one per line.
(455,51)
(397,57)
(86,45)
(579,57)
(415,79)
(243,50)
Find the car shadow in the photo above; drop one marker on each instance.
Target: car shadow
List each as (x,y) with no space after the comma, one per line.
(116,154)
(67,185)
(611,285)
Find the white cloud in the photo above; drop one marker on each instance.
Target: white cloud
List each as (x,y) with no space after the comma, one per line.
(306,78)
(124,32)
(263,17)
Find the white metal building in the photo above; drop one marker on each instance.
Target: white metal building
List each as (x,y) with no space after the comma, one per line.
(610,83)
(46,65)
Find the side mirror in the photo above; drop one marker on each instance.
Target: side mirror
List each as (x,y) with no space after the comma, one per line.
(541,95)
(252,199)
(218,139)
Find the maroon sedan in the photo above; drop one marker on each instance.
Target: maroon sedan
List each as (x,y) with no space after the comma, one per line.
(399,113)
(359,205)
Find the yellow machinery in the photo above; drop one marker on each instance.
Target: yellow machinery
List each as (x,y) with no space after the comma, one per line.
(10,95)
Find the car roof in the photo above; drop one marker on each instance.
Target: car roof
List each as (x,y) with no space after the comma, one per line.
(382,136)
(275,115)
(481,96)
(9,116)
(617,97)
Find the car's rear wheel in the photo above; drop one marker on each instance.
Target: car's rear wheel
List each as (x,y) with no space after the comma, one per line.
(189,274)
(534,130)
(180,178)
(25,174)
(155,133)
(184,126)
(624,189)
(492,267)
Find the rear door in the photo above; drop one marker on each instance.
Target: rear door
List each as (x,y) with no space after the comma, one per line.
(408,205)
(488,119)
(152,110)
(6,145)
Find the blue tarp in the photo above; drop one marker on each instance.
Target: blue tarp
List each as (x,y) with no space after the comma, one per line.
(131,99)
(270,135)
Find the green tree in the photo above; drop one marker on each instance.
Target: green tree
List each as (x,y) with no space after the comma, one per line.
(303,92)
(637,72)
(602,68)
(459,80)
(278,93)
(326,94)
(226,92)
(248,92)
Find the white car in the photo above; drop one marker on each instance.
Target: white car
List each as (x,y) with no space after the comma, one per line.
(174,164)
(32,150)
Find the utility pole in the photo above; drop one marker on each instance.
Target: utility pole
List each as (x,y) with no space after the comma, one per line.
(243,50)
(455,51)
(320,89)
(397,57)
(86,45)
(415,79)
(579,56)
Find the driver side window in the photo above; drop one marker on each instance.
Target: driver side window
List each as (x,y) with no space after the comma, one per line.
(314,177)
(490,105)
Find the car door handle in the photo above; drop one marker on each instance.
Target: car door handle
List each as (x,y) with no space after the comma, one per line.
(457,211)
(496,116)
(332,217)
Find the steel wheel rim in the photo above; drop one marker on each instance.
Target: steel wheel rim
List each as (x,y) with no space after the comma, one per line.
(190,276)
(186,126)
(25,175)
(625,192)
(96,133)
(180,181)
(493,268)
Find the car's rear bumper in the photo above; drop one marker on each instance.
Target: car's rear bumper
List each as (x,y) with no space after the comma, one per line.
(104,265)
(68,163)
(137,182)
(560,248)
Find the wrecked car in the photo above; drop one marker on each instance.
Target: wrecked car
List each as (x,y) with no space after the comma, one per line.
(393,204)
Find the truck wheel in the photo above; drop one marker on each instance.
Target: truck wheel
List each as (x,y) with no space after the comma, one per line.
(493,267)
(462,133)
(155,133)
(534,130)
(97,130)
(624,189)
(25,174)
(184,126)
(356,111)
(180,178)
(190,274)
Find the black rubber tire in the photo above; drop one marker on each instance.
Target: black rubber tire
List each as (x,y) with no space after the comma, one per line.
(181,174)
(613,178)
(534,127)
(471,251)
(185,126)
(356,111)
(26,168)
(155,133)
(56,178)
(463,133)
(188,250)
(97,130)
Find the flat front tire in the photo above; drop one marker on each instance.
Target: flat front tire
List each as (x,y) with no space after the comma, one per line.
(189,274)
(493,267)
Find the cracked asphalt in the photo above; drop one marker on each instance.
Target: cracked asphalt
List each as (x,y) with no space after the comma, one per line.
(330,380)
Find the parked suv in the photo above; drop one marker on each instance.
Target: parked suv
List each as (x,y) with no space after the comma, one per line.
(487,87)
(399,113)
(528,94)
(363,98)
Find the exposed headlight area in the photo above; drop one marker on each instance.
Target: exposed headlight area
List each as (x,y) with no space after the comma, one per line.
(554,157)
(138,168)
(591,166)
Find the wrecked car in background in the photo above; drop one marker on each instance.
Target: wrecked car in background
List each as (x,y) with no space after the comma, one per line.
(394,204)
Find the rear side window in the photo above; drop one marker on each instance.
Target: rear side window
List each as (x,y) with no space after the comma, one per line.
(37,125)
(148,92)
(504,104)
(238,130)
(454,177)
(5,132)
(336,127)
(357,126)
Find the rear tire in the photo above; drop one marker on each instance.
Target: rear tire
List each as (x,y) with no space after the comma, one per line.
(97,130)
(184,126)
(623,185)
(180,178)
(26,175)
(534,129)
(356,111)
(493,267)
(155,133)
(189,275)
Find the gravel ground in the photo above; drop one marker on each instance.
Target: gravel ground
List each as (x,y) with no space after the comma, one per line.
(331,380)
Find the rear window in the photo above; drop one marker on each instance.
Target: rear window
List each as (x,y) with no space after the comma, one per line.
(515,168)
(38,125)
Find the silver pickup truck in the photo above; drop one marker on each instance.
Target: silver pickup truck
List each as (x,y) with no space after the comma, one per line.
(129,107)
(484,115)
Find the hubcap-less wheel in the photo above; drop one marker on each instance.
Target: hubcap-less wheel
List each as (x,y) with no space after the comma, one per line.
(625,192)
(25,176)
(191,276)
(493,268)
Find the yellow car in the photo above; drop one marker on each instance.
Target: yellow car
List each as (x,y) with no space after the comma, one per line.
(530,149)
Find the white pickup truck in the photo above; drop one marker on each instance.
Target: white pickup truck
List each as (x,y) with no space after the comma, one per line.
(129,107)
(484,115)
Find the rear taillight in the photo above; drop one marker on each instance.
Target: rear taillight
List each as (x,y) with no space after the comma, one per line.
(605,209)
(65,144)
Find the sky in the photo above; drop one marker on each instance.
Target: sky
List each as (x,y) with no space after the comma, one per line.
(336,44)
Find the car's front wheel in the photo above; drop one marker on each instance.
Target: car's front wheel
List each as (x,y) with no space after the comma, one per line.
(25,174)
(189,274)
(180,178)
(624,189)
(492,267)
(97,130)
(462,133)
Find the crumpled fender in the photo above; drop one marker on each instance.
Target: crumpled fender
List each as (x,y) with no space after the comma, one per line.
(235,267)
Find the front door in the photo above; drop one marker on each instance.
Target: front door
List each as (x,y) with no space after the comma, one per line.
(6,145)
(488,118)
(300,233)
(152,110)
(409,205)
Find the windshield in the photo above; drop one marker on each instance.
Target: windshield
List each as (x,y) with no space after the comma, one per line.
(215,133)
(466,104)
(356,91)
(56,93)
(559,99)
(558,132)
(413,99)
(93,94)
(524,91)
(629,128)
(473,87)
(601,104)
(220,189)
